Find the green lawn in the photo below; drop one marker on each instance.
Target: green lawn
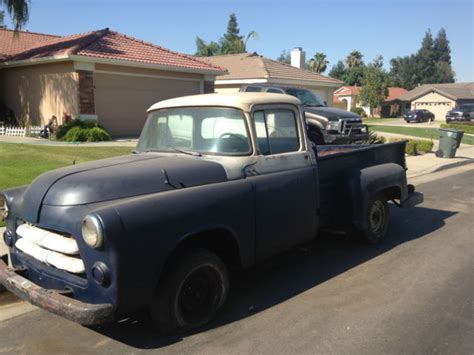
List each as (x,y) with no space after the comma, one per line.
(380,120)
(21,163)
(430,133)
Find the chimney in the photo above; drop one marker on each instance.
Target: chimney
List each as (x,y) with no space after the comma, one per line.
(298,57)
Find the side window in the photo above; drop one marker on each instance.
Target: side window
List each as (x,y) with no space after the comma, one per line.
(277,131)
(276,91)
(253,89)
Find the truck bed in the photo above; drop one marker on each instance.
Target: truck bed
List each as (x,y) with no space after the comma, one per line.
(336,165)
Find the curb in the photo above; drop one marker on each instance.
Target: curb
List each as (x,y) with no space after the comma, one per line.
(454,165)
(442,167)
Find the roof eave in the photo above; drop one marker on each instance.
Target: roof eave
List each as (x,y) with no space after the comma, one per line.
(128,63)
(275,80)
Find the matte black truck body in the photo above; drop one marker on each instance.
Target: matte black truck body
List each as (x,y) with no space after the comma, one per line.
(153,206)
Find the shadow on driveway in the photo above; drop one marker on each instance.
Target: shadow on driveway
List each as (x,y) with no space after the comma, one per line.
(288,275)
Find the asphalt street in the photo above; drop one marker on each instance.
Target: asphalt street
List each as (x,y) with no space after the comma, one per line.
(412,294)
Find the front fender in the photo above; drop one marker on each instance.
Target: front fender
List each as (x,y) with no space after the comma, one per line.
(369,182)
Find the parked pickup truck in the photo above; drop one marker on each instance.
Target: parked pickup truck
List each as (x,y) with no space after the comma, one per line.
(217,182)
(326,125)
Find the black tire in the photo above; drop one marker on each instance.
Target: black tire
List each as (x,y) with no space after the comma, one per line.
(376,219)
(192,291)
(315,135)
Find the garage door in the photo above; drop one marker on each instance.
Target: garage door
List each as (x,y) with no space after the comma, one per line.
(121,101)
(439,109)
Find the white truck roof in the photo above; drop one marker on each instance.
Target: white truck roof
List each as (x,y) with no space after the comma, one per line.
(241,100)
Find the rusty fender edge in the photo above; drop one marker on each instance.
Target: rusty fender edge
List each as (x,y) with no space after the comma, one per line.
(52,301)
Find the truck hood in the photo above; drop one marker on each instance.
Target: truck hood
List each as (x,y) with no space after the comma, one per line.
(116,178)
(331,113)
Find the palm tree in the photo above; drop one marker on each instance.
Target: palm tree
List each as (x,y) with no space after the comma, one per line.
(354,59)
(318,63)
(18,11)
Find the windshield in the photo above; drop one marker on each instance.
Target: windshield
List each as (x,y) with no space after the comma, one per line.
(196,130)
(306,97)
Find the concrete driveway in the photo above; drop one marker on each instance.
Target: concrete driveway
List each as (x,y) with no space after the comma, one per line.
(411,294)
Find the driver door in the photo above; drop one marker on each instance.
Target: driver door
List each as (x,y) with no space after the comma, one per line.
(284,179)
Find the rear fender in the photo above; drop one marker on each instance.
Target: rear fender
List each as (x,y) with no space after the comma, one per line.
(368,182)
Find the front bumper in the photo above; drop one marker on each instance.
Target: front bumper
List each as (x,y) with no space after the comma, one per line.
(345,138)
(457,118)
(414,198)
(52,300)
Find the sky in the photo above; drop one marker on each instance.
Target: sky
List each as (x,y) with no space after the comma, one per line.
(374,27)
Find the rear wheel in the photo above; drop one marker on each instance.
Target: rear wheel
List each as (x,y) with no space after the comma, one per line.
(376,220)
(191,293)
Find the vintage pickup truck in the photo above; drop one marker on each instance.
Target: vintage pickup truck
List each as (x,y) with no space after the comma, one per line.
(217,182)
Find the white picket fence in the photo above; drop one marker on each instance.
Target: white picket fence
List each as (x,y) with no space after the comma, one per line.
(19,131)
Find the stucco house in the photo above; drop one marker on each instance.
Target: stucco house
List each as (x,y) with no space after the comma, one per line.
(438,98)
(103,75)
(252,68)
(347,97)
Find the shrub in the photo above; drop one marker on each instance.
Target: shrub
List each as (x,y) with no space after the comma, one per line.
(97,134)
(82,131)
(64,128)
(76,134)
(374,138)
(414,147)
(359,110)
(467,127)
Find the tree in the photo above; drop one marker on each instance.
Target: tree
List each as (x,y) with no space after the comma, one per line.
(284,57)
(231,43)
(403,72)
(18,11)
(425,59)
(441,47)
(318,63)
(338,71)
(204,49)
(430,65)
(354,76)
(2,19)
(374,85)
(354,60)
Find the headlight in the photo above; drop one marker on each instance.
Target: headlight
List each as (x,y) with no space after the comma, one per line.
(333,126)
(3,208)
(92,232)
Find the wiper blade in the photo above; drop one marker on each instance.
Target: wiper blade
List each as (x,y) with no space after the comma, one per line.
(188,152)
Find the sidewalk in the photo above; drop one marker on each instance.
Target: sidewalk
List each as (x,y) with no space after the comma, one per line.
(40,141)
(429,163)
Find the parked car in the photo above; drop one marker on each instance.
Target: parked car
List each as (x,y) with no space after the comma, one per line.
(327,125)
(419,116)
(217,182)
(462,113)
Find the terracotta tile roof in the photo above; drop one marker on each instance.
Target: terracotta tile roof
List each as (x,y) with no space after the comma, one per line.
(108,44)
(254,66)
(11,44)
(347,90)
(393,92)
(454,91)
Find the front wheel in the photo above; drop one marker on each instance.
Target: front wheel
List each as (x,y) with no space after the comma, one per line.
(191,293)
(376,220)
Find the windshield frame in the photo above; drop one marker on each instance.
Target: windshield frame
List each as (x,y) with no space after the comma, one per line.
(201,153)
(319,100)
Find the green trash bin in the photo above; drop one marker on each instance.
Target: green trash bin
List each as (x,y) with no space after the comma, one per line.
(449,141)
